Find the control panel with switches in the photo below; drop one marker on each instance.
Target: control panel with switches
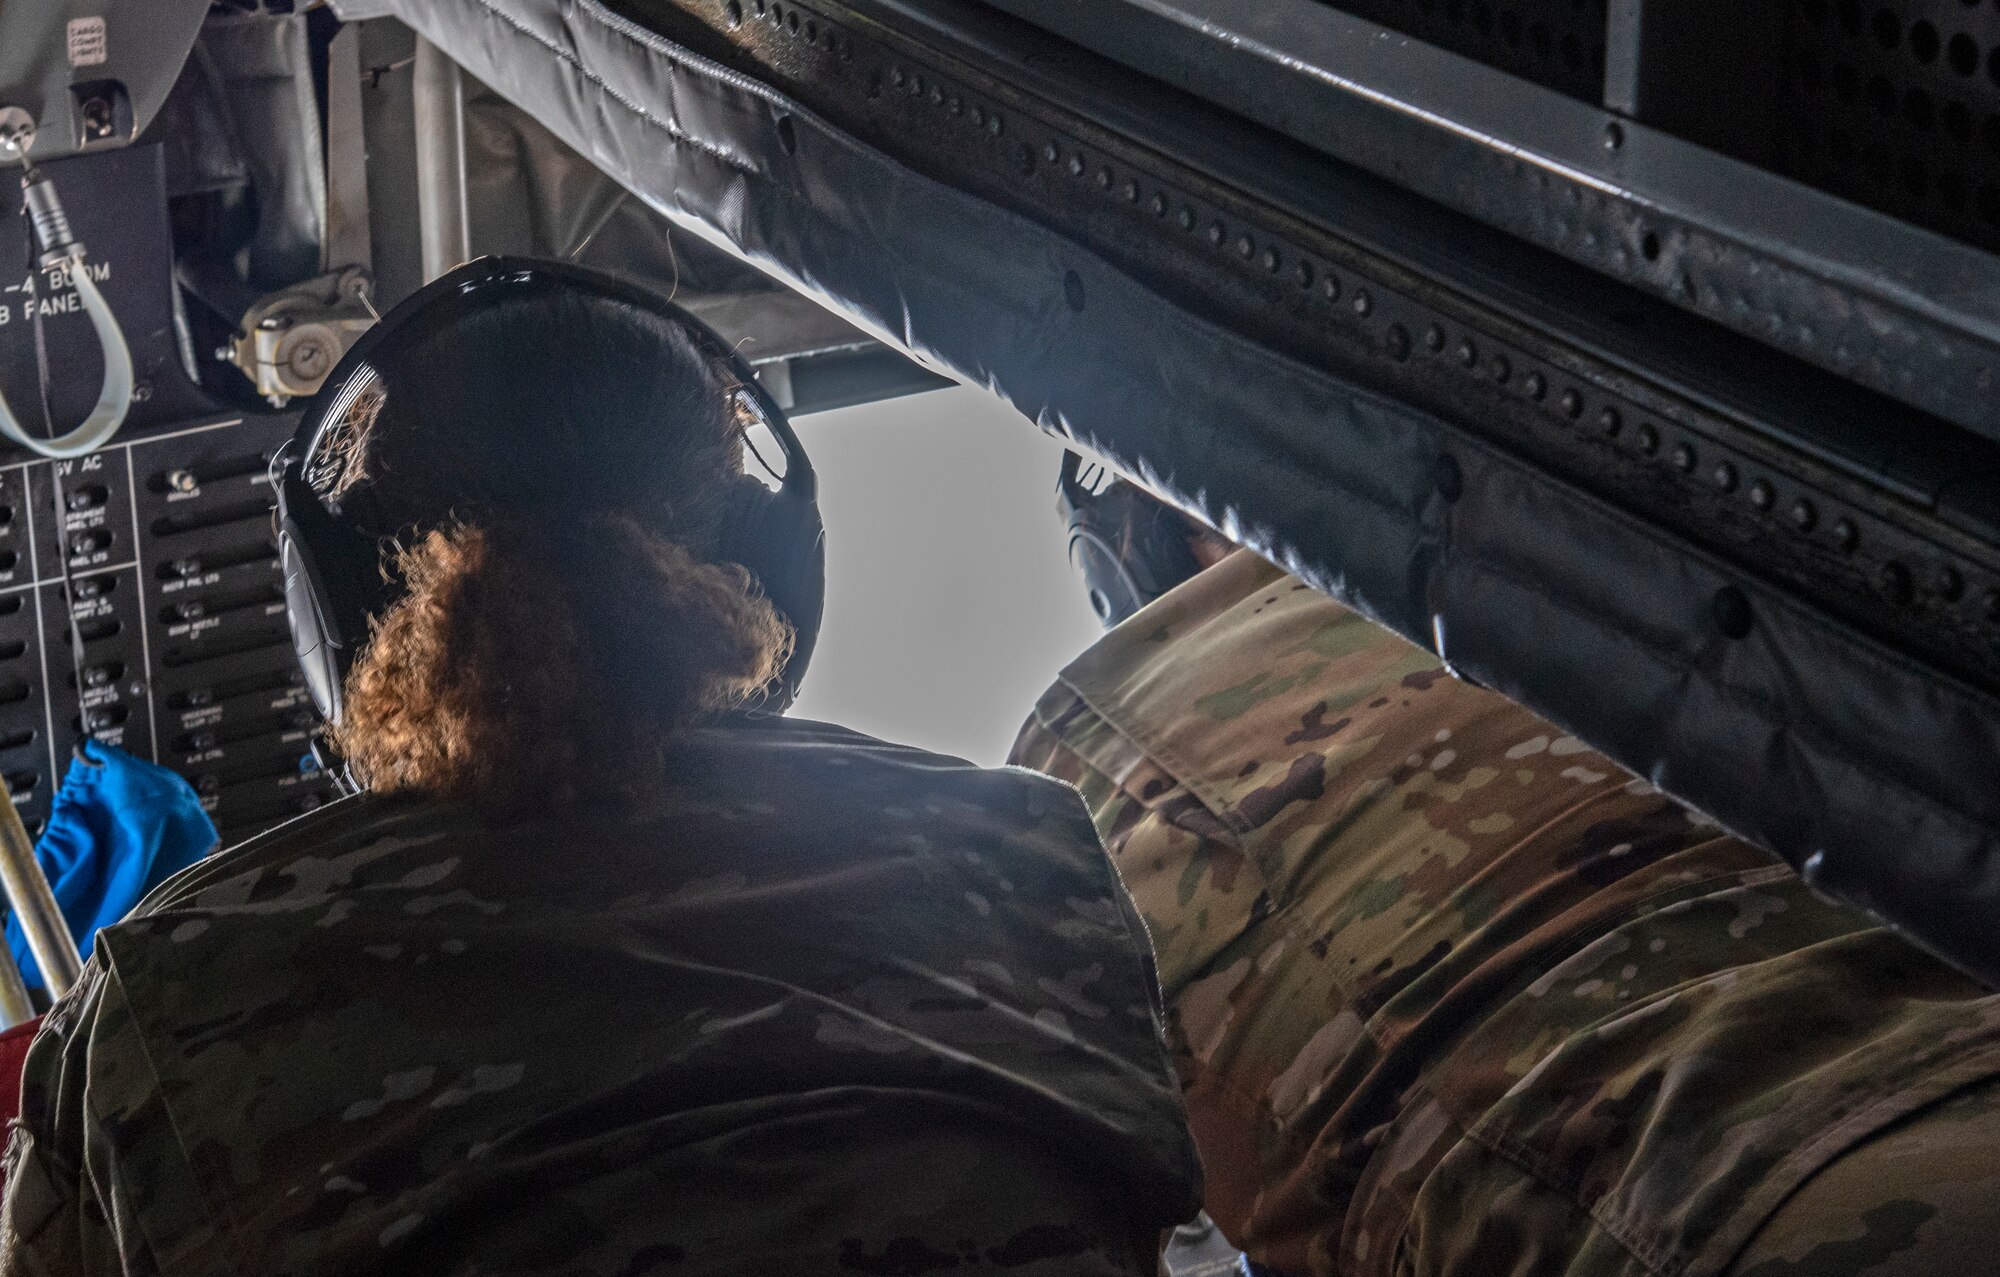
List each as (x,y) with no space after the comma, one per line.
(140,601)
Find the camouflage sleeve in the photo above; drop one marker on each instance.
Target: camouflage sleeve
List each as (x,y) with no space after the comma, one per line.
(83,1195)
(53,1220)
(1448,991)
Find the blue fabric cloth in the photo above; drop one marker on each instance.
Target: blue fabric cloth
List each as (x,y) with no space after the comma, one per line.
(119,827)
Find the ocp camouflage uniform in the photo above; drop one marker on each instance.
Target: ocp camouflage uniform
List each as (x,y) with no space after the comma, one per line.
(828,1006)
(1451,993)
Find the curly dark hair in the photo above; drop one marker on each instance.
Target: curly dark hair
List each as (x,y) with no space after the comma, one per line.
(549,479)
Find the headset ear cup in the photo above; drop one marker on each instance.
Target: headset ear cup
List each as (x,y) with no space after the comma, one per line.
(1128,548)
(333,585)
(795,522)
(778,537)
(318,661)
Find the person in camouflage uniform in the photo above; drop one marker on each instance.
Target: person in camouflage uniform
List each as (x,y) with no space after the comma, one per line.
(605,972)
(1450,993)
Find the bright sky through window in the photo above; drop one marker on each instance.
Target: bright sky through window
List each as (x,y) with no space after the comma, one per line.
(950,602)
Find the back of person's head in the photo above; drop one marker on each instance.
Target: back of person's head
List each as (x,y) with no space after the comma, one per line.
(550,475)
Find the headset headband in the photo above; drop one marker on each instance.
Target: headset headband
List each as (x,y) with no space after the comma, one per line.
(482,282)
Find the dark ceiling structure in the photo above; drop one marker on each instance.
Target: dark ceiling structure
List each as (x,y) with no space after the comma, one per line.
(1637,358)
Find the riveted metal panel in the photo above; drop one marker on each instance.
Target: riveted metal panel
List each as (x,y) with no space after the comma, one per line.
(1888,304)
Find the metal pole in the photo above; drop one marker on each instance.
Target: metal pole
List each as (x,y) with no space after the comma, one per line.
(444,233)
(33,903)
(348,238)
(15,1008)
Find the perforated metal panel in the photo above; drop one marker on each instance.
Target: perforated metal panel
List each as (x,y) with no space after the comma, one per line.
(1896,106)
(1558,43)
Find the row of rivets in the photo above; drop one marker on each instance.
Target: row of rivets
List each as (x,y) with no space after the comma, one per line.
(1893,580)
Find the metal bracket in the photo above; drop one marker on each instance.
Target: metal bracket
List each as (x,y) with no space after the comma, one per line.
(293,338)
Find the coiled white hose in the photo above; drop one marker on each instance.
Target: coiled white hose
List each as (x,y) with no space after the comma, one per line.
(114,395)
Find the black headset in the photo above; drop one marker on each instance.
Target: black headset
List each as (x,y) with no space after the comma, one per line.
(336,579)
(1128,548)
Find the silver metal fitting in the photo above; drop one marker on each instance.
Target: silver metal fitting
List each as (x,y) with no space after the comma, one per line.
(17,135)
(292,338)
(45,214)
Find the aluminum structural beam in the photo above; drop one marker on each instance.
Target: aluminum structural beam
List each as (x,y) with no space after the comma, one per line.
(443,221)
(1889,305)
